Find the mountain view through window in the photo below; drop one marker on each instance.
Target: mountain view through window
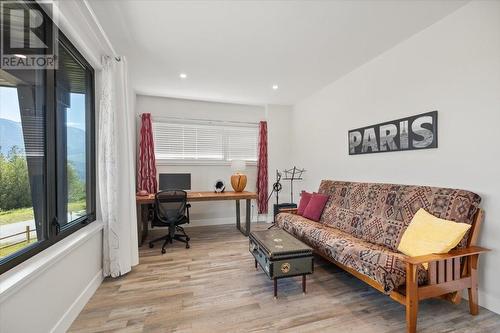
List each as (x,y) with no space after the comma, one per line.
(18,228)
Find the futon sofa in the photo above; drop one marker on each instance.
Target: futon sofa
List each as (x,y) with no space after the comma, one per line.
(362,224)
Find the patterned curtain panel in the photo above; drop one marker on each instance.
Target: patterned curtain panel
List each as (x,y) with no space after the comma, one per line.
(146,178)
(262,169)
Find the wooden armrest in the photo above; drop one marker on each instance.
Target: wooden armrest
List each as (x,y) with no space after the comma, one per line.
(288,210)
(468,251)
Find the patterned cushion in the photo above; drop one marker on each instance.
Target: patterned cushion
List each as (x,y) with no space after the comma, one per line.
(380,213)
(376,261)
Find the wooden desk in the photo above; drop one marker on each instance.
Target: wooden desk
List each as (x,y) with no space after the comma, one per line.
(144,201)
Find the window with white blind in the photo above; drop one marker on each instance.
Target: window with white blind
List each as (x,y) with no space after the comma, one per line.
(177,141)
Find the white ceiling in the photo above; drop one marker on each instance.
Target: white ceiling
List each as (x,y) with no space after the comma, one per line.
(236,50)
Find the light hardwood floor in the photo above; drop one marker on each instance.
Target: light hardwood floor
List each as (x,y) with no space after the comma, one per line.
(213,287)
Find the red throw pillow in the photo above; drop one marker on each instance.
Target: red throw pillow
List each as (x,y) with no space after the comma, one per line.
(315,206)
(304,200)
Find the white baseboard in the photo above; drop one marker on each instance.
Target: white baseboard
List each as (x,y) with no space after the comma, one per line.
(218,221)
(487,301)
(74,310)
(267,218)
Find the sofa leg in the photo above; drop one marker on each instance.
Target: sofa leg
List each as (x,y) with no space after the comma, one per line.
(411,298)
(473,297)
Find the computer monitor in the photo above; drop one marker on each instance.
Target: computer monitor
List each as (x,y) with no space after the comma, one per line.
(175,181)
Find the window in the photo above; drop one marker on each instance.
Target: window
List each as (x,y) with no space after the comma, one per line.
(204,142)
(74,107)
(47,153)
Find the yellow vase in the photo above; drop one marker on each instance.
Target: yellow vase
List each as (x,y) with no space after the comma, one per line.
(238,182)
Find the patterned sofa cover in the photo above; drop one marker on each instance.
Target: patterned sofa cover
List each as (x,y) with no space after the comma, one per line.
(362,224)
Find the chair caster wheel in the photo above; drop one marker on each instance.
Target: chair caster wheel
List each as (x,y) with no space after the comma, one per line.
(151,245)
(163,251)
(187,246)
(188,239)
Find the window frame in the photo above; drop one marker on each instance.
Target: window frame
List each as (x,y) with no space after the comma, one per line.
(53,233)
(89,140)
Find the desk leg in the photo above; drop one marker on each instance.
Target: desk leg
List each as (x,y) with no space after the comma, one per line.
(142,223)
(247,218)
(238,223)
(139,224)
(145,221)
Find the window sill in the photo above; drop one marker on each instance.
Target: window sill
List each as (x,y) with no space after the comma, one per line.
(20,275)
(215,163)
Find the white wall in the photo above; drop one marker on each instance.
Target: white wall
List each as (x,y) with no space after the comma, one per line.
(279,151)
(453,67)
(49,301)
(204,176)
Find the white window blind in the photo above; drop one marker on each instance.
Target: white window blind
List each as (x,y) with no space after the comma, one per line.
(204,142)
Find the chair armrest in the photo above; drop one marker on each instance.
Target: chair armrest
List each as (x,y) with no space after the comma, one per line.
(288,210)
(468,251)
(187,212)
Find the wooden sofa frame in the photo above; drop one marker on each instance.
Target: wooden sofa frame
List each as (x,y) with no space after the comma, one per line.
(448,275)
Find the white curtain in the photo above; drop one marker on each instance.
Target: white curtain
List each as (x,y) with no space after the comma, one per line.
(116,173)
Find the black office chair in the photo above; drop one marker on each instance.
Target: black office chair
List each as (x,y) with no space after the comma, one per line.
(171,210)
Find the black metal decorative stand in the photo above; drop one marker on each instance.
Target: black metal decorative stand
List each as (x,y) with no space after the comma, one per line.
(276,187)
(291,175)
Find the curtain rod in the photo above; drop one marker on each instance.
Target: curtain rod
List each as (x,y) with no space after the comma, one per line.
(206,120)
(117,58)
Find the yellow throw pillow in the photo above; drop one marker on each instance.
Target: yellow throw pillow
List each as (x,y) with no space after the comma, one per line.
(427,234)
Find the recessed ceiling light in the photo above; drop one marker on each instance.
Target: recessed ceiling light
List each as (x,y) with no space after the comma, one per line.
(22,56)
(183,75)
(275,87)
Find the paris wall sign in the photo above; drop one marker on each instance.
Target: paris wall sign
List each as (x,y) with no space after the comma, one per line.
(410,133)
